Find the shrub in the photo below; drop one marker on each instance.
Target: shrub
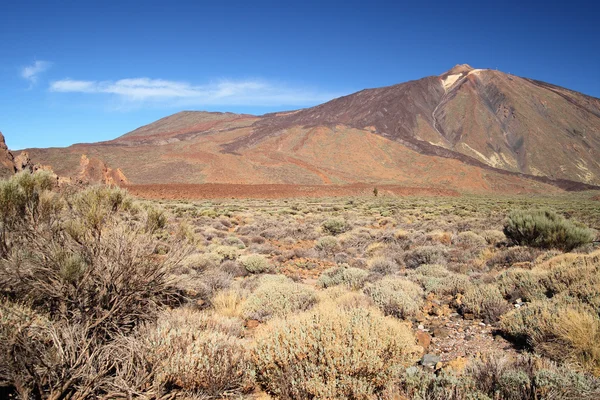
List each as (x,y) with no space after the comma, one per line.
(558,329)
(353,278)
(395,296)
(484,301)
(382,265)
(545,229)
(513,255)
(335,226)
(327,244)
(437,279)
(277,296)
(520,283)
(333,353)
(186,356)
(202,262)
(425,255)
(255,263)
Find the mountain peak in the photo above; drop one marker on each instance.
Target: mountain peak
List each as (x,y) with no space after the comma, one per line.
(459,69)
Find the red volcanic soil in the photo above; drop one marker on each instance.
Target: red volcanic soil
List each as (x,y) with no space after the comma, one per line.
(275,191)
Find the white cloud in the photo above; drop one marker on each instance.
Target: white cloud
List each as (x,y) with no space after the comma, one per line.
(31,72)
(224,92)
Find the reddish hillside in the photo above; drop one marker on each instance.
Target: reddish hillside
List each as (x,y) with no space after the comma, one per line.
(467,129)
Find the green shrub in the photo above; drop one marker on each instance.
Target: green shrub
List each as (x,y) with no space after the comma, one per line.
(546,229)
(395,296)
(255,263)
(335,226)
(333,353)
(353,278)
(277,296)
(327,244)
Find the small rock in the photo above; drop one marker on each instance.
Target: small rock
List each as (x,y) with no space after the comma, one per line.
(430,360)
(423,340)
(518,301)
(440,332)
(421,327)
(252,323)
(438,365)
(481,324)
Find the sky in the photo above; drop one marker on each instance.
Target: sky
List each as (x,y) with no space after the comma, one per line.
(87,71)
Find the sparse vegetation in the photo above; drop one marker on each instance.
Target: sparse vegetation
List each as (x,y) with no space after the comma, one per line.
(106,296)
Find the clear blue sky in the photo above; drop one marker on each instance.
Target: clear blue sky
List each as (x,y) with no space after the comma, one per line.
(84,71)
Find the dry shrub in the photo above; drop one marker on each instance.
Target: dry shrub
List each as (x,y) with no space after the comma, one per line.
(518,283)
(425,255)
(395,296)
(201,262)
(228,303)
(560,329)
(185,356)
(352,278)
(255,263)
(484,301)
(332,353)
(278,296)
(382,265)
(513,255)
(438,280)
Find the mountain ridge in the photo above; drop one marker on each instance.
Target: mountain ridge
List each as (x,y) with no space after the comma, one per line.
(484,119)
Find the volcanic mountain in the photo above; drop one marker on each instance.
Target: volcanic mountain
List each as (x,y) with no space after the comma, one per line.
(467,129)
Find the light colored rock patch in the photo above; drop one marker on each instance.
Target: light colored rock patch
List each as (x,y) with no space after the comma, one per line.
(450,80)
(494,160)
(586,175)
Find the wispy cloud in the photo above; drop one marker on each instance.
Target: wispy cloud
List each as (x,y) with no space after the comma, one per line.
(32,72)
(223,92)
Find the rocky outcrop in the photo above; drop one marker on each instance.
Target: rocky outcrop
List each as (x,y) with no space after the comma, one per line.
(23,162)
(7,161)
(94,170)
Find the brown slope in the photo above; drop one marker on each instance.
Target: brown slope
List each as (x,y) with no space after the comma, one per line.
(483,118)
(435,131)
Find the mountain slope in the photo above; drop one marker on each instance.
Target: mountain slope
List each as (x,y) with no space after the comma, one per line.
(469,129)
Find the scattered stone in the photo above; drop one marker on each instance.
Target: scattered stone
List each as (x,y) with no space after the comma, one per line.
(438,366)
(440,332)
(421,327)
(430,360)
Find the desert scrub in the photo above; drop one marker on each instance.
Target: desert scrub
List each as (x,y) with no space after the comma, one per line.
(202,262)
(546,229)
(277,296)
(186,356)
(327,244)
(395,296)
(382,265)
(561,329)
(335,226)
(484,301)
(425,255)
(438,280)
(518,283)
(333,353)
(255,263)
(352,278)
